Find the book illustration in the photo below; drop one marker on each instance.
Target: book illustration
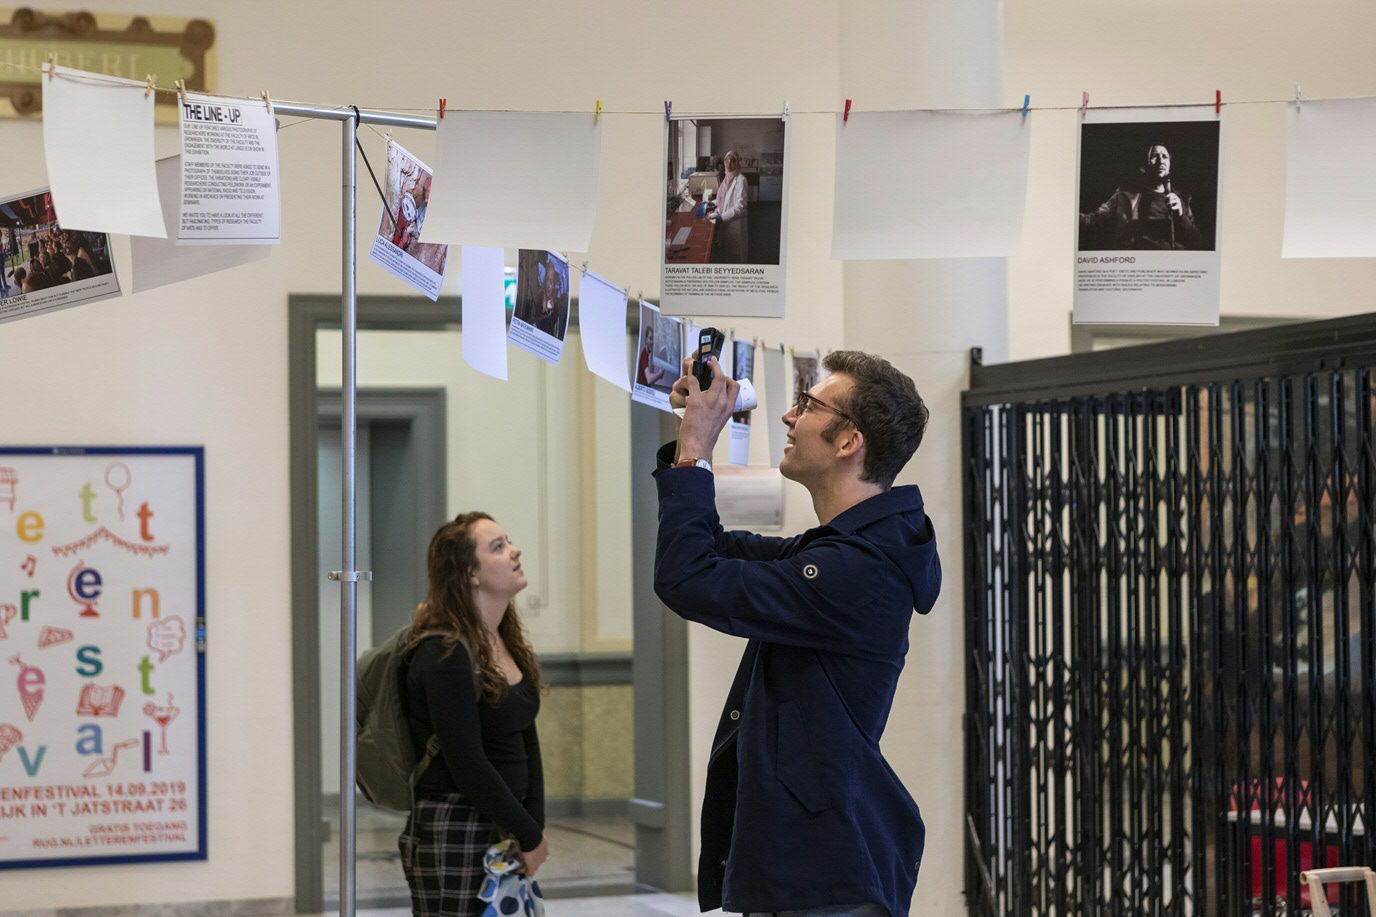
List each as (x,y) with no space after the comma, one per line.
(7,614)
(52,636)
(96,700)
(167,637)
(104,534)
(117,478)
(9,483)
(30,565)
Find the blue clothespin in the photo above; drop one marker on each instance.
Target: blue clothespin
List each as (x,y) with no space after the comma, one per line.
(1026,102)
(668,109)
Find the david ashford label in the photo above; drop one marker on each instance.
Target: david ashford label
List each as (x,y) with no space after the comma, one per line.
(102,755)
(230,190)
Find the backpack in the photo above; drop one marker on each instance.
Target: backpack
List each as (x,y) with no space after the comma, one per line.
(387,766)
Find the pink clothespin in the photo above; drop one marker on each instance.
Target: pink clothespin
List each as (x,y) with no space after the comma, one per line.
(668,110)
(1218,101)
(846,117)
(1084,103)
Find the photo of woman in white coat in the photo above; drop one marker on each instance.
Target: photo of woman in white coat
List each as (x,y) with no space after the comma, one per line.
(732,242)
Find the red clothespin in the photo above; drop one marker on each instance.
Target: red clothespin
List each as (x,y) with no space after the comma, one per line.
(443,102)
(846,117)
(1026,103)
(668,110)
(1084,103)
(1218,101)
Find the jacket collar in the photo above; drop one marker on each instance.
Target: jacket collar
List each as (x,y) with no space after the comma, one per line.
(904,499)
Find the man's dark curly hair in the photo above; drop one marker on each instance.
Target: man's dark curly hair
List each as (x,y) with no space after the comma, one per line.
(887,410)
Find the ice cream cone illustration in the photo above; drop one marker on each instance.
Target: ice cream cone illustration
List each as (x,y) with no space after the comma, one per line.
(30,685)
(10,736)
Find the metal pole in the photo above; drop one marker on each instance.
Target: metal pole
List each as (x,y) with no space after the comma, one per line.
(350,576)
(348,592)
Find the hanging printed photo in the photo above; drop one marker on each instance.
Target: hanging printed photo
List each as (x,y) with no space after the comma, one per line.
(1147,219)
(44,267)
(659,357)
(541,317)
(397,247)
(725,213)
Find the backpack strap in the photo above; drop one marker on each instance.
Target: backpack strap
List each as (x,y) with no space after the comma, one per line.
(432,751)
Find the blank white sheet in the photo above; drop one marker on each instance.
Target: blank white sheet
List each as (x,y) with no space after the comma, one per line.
(602,330)
(98,140)
(484,308)
(925,184)
(515,179)
(1330,182)
(161,261)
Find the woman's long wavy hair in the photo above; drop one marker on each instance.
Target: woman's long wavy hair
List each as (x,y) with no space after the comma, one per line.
(449,610)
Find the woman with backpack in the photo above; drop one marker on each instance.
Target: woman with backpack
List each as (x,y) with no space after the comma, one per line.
(472,681)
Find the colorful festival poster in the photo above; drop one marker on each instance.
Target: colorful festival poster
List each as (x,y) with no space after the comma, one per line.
(44,267)
(102,656)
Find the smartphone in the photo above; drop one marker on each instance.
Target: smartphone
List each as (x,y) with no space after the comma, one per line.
(710,343)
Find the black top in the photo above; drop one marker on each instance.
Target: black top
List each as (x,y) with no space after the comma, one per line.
(489,753)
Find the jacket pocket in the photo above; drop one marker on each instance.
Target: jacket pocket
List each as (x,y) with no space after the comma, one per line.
(794,763)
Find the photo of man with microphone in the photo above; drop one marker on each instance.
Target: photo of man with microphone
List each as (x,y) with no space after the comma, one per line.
(801,812)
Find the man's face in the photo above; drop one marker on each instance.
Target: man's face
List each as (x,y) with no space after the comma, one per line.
(1158,161)
(808,455)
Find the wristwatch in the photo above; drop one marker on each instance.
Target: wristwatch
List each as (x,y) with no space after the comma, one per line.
(692,463)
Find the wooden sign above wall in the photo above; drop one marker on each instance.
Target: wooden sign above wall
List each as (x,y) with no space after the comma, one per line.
(121,45)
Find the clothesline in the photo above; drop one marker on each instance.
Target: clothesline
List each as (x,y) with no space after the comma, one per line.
(43,73)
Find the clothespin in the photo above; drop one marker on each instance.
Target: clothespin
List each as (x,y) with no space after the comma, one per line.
(1297,95)
(785,109)
(1084,103)
(1218,101)
(387,135)
(181,91)
(52,68)
(1026,103)
(639,294)
(781,347)
(668,110)
(148,85)
(585,266)
(754,342)
(443,102)
(791,352)
(597,114)
(267,100)
(846,115)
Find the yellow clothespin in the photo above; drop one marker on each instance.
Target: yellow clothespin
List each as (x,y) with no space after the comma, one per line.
(791,353)
(597,115)
(267,99)
(181,91)
(52,68)
(148,86)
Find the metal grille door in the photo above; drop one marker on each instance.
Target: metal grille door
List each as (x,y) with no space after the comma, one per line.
(1171,626)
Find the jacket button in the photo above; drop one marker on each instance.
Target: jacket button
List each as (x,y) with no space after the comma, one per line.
(735,714)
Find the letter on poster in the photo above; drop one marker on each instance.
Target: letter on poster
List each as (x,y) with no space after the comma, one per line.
(397,247)
(230,188)
(44,266)
(659,357)
(98,139)
(725,217)
(1330,188)
(929,184)
(1147,217)
(540,321)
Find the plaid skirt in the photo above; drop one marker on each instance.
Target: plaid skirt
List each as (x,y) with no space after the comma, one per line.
(442,849)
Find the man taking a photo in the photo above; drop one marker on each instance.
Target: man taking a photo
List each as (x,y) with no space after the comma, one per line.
(802,814)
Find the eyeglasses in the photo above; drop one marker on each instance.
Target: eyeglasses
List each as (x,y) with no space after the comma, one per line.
(807,402)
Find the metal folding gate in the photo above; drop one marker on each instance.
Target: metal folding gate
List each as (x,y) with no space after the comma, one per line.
(1171,630)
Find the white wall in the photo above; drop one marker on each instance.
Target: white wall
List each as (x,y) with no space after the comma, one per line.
(1181,51)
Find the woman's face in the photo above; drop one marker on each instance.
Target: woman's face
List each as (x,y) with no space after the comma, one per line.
(498,570)
(732,163)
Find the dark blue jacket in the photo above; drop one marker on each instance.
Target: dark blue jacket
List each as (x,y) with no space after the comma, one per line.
(801,809)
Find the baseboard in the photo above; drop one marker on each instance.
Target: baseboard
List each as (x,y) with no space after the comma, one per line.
(244,907)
